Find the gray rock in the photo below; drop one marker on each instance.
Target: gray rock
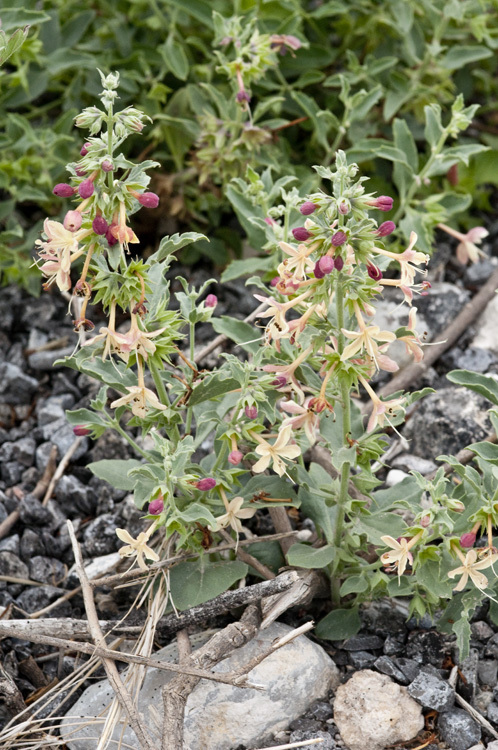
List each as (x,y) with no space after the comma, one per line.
(74,497)
(218,716)
(371,711)
(458,729)
(487,331)
(46,570)
(478,273)
(45,361)
(426,646)
(99,537)
(473,358)
(395,476)
(23,451)
(407,462)
(61,434)
(11,565)
(482,700)
(37,597)
(393,646)
(321,710)
(49,411)
(487,672)
(441,306)
(42,455)
(11,473)
(361,659)
(467,684)
(493,745)
(362,642)
(327,743)
(447,421)
(15,386)
(386,665)
(3,512)
(481,630)
(492,647)
(492,712)
(305,725)
(432,692)
(33,513)
(11,544)
(31,545)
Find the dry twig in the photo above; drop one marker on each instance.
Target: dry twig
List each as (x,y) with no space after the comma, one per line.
(263,570)
(470,709)
(61,469)
(219,340)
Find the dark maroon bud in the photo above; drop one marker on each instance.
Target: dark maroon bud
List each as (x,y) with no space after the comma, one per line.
(156,507)
(383,203)
(307,208)
(279,381)
(107,166)
(301,234)
(100,225)
(84,149)
(339,239)
(468,540)
(387,227)
(338,263)
(206,484)
(80,172)
(374,272)
(80,430)
(149,200)
(63,190)
(243,96)
(111,239)
(86,188)
(251,412)
(318,271)
(326,264)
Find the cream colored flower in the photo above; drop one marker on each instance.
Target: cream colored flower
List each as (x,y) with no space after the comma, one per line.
(141,399)
(276,452)
(467,248)
(470,569)
(298,260)
(400,554)
(234,512)
(138,546)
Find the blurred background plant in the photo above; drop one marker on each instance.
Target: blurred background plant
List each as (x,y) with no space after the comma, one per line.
(274,85)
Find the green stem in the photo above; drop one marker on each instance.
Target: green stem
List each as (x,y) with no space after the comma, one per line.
(158,382)
(123,433)
(110,145)
(341,132)
(188,420)
(220,458)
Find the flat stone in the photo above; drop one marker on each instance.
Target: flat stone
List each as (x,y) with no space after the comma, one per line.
(432,692)
(393,646)
(371,711)
(327,741)
(386,665)
(61,434)
(33,513)
(362,642)
(408,462)
(23,451)
(426,646)
(11,565)
(46,570)
(492,712)
(487,672)
(31,545)
(487,331)
(467,683)
(321,710)
(74,497)
(458,729)
(395,476)
(218,716)
(481,630)
(15,386)
(99,537)
(10,544)
(361,659)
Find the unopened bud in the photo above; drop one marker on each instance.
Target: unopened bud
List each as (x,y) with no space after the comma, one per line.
(72,221)
(425,522)
(107,166)
(80,172)
(251,412)
(374,272)
(80,430)
(149,200)
(279,381)
(383,203)
(343,208)
(339,239)
(211,300)
(326,264)
(86,188)
(301,234)
(338,263)
(307,208)
(235,457)
(156,506)
(111,239)
(63,190)
(387,227)
(242,96)
(206,484)
(100,225)
(84,149)
(468,540)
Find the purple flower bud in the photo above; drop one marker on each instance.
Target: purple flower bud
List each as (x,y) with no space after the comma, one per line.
(206,484)
(251,412)
(301,234)
(270,222)
(100,225)
(84,149)
(326,264)
(72,221)
(374,272)
(338,263)
(343,208)
(63,190)
(243,96)
(279,381)
(387,227)
(211,300)
(339,239)
(111,239)
(383,203)
(107,165)
(235,457)
(274,281)
(425,521)
(156,506)
(307,208)
(80,430)
(86,188)
(318,271)
(149,200)
(80,172)
(468,540)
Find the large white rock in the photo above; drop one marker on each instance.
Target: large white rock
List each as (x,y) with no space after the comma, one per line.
(218,716)
(487,330)
(371,711)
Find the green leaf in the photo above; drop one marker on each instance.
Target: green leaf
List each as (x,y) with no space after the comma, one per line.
(339,624)
(197,512)
(486,450)
(244,334)
(115,472)
(378,525)
(193,583)
(485,385)
(246,267)
(433,128)
(304,556)
(174,243)
(12,18)
(175,58)
(275,487)
(211,387)
(407,491)
(86,417)
(9,45)
(460,55)
(354,585)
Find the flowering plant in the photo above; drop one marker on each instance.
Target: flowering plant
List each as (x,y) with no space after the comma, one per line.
(265,414)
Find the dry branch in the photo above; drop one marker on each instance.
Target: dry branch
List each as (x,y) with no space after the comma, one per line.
(263,570)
